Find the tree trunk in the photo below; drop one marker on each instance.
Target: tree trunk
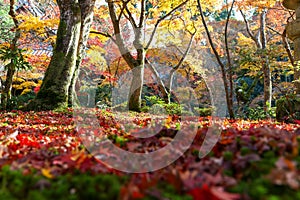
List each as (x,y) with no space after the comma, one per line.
(261,44)
(86,8)
(135,93)
(297,80)
(136,65)
(292,59)
(163,89)
(222,66)
(6,94)
(229,64)
(11,68)
(60,78)
(265,64)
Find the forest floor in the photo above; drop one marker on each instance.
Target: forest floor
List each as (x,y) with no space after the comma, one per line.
(59,155)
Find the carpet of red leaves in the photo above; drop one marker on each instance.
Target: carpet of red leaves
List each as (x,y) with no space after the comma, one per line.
(49,143)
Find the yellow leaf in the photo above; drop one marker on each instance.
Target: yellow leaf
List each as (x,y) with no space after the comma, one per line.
(168,122)
(47,173)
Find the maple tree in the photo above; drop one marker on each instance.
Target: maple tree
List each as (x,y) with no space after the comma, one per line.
(265,32)
(31,32)
(274,54)
(150,20)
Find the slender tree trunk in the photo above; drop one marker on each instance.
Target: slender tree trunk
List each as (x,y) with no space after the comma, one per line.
(223,68)
(6,94)
(11,68)
(265,65)
(55,87)
(261,44)
(229,64)
(136,65)
(86,8)
(170,83)
(163,89)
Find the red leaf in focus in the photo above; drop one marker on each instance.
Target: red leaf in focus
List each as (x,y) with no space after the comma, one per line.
(206,193)
(137,195)
(37,89)
(296,121)
(203,193)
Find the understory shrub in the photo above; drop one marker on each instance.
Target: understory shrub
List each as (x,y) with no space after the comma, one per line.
(288,108)
(18,102)
(156,105)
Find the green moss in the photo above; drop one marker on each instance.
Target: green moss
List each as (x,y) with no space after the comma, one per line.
(228,155)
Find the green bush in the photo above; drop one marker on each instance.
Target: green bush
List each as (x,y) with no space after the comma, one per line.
(103,95)
(204,112)
(156,105)
(18,102)
(258,113)
(288,108)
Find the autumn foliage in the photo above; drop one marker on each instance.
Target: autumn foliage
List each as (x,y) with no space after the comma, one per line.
(251,159)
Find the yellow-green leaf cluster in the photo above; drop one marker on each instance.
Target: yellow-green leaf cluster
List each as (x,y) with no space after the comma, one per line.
(30,23)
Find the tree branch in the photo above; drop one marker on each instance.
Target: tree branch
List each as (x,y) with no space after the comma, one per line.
(287,47)
(119,39)
(142,15)
(186,52)
(103,34)
(130,18)
(161,19)
(122,9)
(229,64)
(223,71)
(251,34)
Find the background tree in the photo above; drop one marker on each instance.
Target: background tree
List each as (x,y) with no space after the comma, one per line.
(13,55)
(144,18)
(225,70)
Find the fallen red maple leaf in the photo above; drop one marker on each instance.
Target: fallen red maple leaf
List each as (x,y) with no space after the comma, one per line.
(213,193)
(296,121)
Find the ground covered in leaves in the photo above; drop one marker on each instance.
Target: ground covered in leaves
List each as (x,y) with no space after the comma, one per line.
(43,157)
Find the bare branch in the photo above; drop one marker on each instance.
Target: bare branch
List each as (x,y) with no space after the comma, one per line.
(287,47)
(251,34)
(209,36)
(103,34)
(142,15)
(186,52)
(161,84)
(130,18)
(275,31)
(122,9)
(119,39)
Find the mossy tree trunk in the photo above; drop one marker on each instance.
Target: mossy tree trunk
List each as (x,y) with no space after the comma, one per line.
(57,89)
(6,93)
